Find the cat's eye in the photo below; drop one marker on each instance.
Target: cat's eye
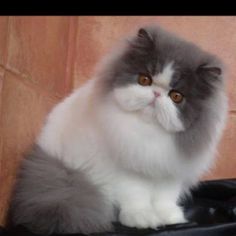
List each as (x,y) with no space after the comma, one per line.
(144,80)
(176,96)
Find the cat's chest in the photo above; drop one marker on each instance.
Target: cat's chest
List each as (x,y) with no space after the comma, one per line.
(149,142)
(140,142)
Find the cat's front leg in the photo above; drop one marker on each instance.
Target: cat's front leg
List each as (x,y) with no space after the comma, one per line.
(165,200)
(134,200)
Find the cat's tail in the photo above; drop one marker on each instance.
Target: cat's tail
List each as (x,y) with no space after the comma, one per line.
(52,198)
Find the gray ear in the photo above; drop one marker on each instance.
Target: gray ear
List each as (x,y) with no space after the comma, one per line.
(144,34)
(212,70)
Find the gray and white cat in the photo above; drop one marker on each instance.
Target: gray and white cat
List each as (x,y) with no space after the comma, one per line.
(127,144)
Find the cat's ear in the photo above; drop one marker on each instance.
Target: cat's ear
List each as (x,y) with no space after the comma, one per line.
(215,71)
(144,34)
(143,40)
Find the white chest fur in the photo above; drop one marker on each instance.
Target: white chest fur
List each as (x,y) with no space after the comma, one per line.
(103,139)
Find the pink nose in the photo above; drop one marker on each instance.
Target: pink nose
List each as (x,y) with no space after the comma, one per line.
(157,94)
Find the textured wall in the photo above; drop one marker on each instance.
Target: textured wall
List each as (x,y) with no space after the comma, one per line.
(36,67)
(43,58)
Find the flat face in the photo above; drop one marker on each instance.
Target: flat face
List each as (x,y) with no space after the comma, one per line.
(166,77)
(168,81)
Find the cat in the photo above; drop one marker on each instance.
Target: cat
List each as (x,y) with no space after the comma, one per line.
(129,143)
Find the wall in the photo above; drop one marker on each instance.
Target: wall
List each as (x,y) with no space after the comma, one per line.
(43,58)
(36,66)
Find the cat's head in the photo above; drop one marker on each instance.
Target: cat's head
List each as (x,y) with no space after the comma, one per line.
(163,78)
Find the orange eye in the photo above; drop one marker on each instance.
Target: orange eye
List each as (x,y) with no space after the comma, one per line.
(144,80)
(176,96)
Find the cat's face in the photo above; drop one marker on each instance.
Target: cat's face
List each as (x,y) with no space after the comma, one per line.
(153,97)
(164,79)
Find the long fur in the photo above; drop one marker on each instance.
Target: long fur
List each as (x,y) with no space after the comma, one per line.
(112,144)
(52,198)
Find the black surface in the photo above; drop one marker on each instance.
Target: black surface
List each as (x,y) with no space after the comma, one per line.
(211,211)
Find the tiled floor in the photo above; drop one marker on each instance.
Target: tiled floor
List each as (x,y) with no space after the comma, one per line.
(43,58)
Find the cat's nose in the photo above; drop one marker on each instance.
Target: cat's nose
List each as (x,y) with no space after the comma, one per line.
(157,94)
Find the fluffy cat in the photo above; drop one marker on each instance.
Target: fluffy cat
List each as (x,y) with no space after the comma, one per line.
(127,144)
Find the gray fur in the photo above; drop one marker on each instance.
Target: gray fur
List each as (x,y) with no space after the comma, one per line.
(153,48)
(52,198)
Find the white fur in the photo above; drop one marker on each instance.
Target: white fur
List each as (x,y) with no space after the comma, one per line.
(124,144)
(163,79)
(137,98)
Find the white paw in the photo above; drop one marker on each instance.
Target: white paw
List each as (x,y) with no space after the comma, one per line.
(171,214)
(145,218)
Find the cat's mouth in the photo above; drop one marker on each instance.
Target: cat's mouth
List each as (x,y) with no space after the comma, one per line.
(152,103)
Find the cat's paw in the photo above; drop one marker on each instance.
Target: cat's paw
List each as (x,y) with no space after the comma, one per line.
(175,218)
(171,214)
(145,218)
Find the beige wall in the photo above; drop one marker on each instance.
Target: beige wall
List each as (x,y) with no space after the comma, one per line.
(43,58)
